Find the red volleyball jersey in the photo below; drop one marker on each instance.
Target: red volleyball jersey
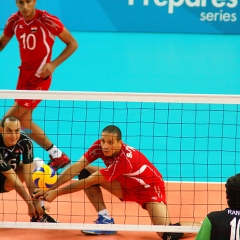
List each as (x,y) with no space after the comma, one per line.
(35,37)
(130,167)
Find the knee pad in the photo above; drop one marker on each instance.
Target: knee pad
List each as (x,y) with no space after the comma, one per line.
(26,130)
(84,174)
(172,235)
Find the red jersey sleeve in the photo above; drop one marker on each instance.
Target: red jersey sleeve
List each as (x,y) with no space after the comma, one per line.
(94,152)
(52,23)
(9,26)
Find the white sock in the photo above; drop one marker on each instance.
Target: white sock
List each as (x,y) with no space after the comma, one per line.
(55,152)
(38,162)
(41,202)
(104,213)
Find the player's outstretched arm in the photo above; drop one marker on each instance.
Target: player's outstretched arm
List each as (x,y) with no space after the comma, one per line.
(17,184)
(20,189)
(93,179)
(71,172)
(27,173)
(64,177)
(4,41)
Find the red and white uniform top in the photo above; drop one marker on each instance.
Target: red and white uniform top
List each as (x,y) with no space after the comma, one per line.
(129,167)
(36,37)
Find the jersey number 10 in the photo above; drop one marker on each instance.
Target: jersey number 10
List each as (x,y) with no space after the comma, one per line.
(234,229)
(26,41)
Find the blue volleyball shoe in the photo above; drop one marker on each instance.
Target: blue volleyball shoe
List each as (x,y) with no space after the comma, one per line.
(101,220)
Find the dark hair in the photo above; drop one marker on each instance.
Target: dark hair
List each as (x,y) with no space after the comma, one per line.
(233,192)
(113,129)
(10,118)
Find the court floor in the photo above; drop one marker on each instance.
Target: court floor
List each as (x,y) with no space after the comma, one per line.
(186,201)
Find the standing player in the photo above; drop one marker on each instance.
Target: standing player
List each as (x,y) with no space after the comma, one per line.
(35,31)
(15,145)
(128,175)
(224,225)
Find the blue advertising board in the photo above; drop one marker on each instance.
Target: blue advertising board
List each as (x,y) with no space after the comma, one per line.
(169,16)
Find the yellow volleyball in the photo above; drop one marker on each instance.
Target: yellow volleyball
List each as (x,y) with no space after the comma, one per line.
(44,177)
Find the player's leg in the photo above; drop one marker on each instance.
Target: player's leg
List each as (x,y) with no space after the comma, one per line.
(58,158)
(33,130)
(29,81)
(94,193)
(159,215)
(95,196)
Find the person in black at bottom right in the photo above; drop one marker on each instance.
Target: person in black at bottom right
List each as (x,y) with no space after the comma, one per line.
(224,225)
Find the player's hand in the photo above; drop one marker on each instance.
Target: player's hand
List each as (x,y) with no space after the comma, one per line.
(38,208)
(47,70)
(50,195)
(31,210)
(38,194)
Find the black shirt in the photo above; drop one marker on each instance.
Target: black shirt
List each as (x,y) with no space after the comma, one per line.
(10,157)
(220,225)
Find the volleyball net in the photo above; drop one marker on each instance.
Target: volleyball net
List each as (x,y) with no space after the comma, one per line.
(193,140)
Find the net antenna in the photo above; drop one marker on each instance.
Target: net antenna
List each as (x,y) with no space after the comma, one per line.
(191,138)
